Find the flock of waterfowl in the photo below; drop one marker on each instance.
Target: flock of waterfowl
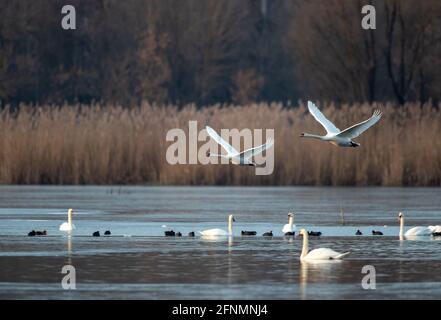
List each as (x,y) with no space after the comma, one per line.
(288,229)
(334,136)
(97,233)
(320,253)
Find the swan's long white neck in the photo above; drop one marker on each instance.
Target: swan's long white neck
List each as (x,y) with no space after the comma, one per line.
(305,246)
(401,226)
(291,221)
(314,136)
(69,217)
(230,225)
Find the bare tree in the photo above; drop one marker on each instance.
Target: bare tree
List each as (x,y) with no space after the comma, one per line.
(247,85)
(409,42)
(184,51)
(335,57)
(152,71)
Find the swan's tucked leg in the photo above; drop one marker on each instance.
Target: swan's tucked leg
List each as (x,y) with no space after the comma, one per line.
(354,144)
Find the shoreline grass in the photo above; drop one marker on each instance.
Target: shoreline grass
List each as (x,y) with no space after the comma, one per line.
(106,145)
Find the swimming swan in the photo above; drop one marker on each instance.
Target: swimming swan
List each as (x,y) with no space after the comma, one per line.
(68,226)
(220,232)
(243,158)
(435,229)
(289,227)
(415,231)
(334,135)
(320,253)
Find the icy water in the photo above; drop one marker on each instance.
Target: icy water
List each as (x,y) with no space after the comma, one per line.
(138,262)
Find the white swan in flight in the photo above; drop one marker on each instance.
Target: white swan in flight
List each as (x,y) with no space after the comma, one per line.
(243,158)
(320,253)
(68,226)
(289,227)
(334,135)
(220,232)
(415,231)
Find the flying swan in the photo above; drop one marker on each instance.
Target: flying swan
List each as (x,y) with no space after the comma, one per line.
(416,231)
(334,135)
(243,158)
(220,232)
(68,226)
(320,253)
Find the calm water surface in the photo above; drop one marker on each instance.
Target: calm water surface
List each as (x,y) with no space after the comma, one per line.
(138,262)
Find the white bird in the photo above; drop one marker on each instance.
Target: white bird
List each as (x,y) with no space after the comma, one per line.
(334,135)
(415,231)
(320,253)
(289,227)
(220,232)
(243,158)
(68,226)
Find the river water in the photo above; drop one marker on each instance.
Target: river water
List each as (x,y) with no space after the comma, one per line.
(138,262)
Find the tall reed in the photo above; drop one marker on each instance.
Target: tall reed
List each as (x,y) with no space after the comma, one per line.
(77,144)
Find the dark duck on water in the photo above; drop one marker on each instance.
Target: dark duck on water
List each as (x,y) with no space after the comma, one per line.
(34,233)
(248,233)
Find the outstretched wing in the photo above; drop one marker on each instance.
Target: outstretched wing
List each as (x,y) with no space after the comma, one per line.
(316,113)
(228,147)
(247,154)
(357,129)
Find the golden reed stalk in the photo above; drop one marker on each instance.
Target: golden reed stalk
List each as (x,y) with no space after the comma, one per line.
(114,145)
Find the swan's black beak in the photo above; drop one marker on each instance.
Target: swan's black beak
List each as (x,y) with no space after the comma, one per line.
(302,134)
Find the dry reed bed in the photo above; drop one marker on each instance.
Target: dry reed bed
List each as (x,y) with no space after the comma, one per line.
(113,145)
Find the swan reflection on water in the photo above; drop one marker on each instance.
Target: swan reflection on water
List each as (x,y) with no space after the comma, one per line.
(69,248)
(315,271)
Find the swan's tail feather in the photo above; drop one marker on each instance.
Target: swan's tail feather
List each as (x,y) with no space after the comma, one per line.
(340,256)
